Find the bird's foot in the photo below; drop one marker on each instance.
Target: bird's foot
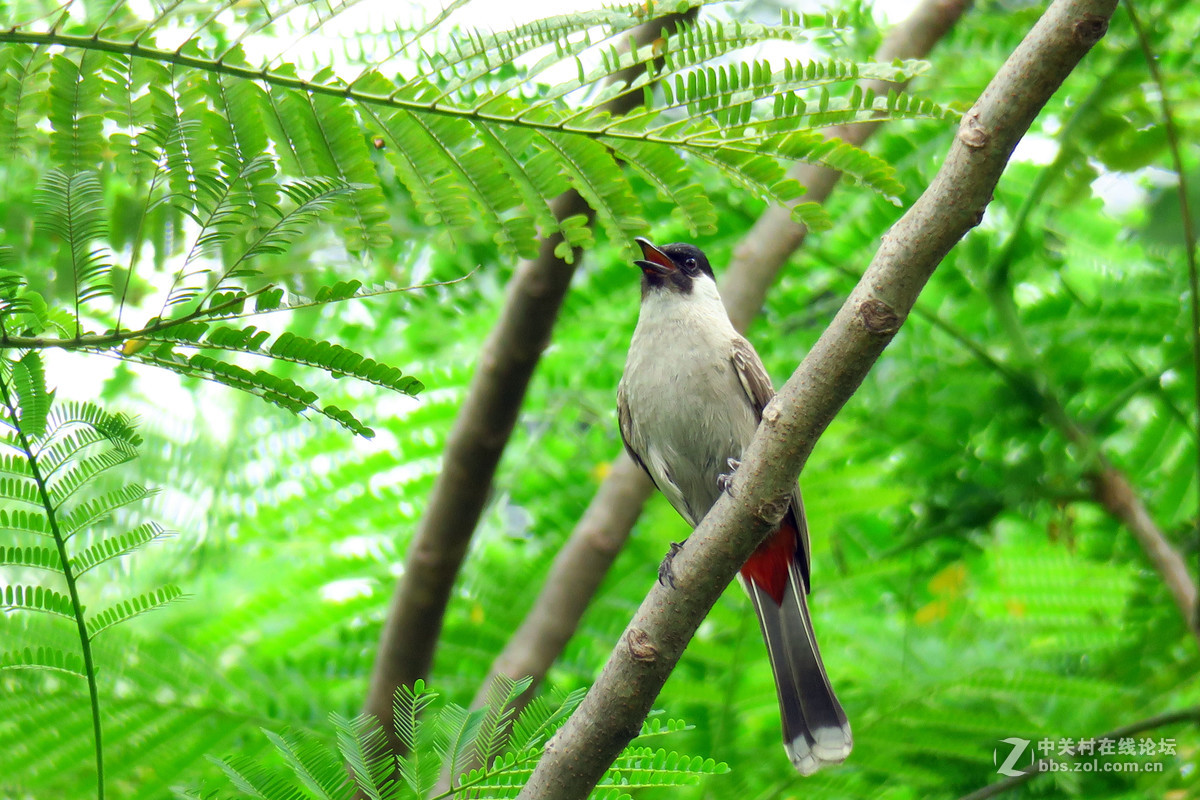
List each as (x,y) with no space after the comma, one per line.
(666,575)
(725,479)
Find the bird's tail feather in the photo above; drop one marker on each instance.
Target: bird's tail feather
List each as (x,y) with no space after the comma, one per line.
(815,729)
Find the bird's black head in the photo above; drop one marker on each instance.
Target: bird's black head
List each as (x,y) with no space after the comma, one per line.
(673,266)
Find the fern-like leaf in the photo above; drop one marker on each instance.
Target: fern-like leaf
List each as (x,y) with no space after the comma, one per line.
(113,547)
(133,607)
(36,598)
(71,207)
(365,749)
(48,658)
(29,381)
(33,556)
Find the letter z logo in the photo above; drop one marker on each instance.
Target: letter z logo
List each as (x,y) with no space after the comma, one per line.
(1019,746)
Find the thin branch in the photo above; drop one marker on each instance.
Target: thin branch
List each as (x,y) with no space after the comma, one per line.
(708,140)
(577,757)
(476,443)
(1125,731)
(1189,238)
(103,340)
(602,531)
(1109,486)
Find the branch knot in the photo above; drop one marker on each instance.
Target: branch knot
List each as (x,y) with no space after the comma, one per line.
(773,510)
(641,649)
(1089,30)
(971,131)
(878,318)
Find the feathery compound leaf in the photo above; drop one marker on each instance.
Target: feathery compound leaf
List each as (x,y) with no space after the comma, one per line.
(35,556)
(29,381)
(37,598)
(48,658)
(72,208)
(418,768)
(365,750)
(24,521)
(75,473)
(340,361)
(318,768)
(112,547)
(89,512)
(128,609)
(437,739)
(312,198)
(20,490)
(23,97)
(501,699)
(253,780)
(76,114)
(117,429)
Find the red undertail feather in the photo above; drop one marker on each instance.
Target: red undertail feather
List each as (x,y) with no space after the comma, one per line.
(767,568)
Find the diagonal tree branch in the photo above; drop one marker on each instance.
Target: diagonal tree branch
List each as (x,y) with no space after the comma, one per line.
(477,441)
(652,644)
(602,531)
(1109,486)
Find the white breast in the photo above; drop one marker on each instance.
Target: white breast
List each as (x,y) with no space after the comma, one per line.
(688,411)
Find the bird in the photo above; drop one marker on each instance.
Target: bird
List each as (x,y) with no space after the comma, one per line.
(688,403)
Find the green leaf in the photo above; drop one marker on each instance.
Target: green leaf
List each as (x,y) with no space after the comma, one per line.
(133,607)
(33,556)
(36,598)
(47,658)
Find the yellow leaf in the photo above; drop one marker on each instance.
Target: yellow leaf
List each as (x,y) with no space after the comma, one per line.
(950,581)
(932,612)
(132,346)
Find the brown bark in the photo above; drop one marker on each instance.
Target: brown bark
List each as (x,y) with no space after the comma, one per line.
(1112,490)
(617,704)
(476,442)
(605,526)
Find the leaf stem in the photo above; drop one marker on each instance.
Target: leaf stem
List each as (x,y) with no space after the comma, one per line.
(103,340)
(76,606)
(708,139)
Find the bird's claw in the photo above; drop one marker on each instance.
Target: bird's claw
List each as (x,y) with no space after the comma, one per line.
(666,575)
(725,479)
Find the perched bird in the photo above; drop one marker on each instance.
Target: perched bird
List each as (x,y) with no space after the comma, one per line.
(689,401)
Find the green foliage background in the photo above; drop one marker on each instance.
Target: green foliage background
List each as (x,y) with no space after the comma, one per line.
(967,589)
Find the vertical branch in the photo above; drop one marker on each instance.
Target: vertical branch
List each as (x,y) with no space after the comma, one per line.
(476,443)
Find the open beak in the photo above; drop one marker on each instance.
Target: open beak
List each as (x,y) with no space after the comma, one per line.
(656,261)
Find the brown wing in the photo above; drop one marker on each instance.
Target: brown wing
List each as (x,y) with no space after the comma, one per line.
(757,384)
(625,424)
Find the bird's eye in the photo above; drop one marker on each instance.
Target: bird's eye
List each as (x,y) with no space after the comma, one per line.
(690,263)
